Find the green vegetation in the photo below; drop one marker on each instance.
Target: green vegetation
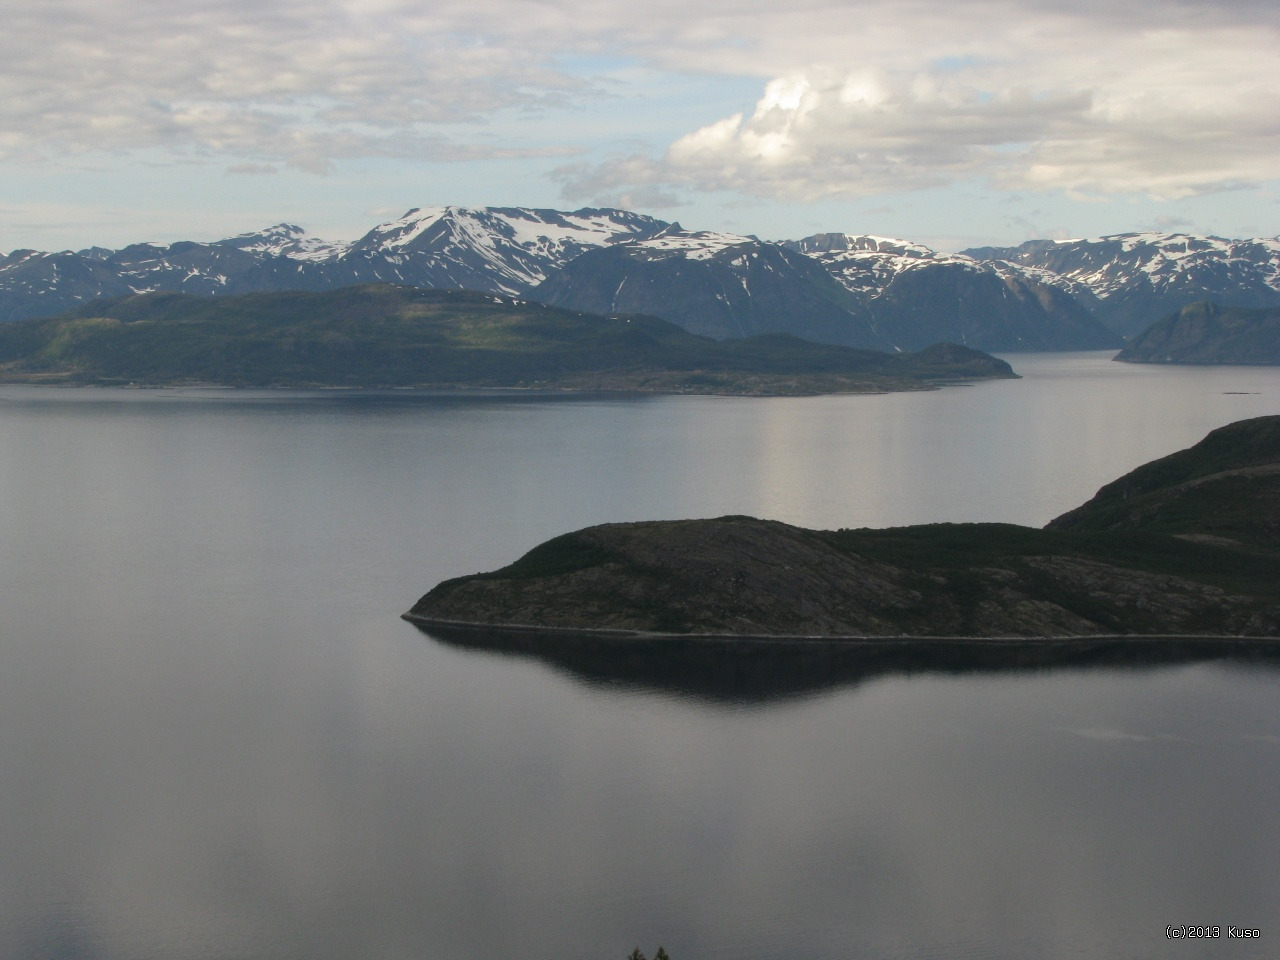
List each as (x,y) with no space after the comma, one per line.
(1204,332)
(387,336)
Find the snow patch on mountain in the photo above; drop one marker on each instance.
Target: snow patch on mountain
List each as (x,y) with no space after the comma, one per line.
(286,240)
(696,244)
(1111,265)
(866,265)
(506,250)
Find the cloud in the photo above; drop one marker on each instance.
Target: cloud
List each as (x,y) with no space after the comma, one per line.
(299,84)
(1166,97)
(1161,99)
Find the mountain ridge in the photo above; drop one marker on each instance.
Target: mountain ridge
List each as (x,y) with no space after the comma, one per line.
(1041,295)
(1140,277)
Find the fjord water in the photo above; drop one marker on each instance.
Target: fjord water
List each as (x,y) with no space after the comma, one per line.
(219,741)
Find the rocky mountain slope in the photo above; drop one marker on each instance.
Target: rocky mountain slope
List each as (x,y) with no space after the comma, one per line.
(1160,551)
(915,295)
(505,250)
(1140,277)
(715,284)
(1207,333)
(886,294)
(490,250)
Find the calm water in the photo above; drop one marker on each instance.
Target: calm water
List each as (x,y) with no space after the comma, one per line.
(219,741)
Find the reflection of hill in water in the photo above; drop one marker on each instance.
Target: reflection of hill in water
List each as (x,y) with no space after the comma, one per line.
(760,671)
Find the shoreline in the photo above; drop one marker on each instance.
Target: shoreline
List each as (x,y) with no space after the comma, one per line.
(784,639)
(449,389)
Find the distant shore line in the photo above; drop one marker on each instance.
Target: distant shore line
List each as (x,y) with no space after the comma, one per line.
(498,390)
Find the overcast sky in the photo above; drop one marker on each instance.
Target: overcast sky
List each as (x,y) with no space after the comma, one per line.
(950,123)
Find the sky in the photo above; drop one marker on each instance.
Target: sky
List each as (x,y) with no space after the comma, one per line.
(951,123)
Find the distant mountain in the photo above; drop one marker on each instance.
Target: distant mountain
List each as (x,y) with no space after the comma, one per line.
(887,294)
(715,284)
(915,296)
(838,288)
(1206,333)
(283,240)
(34,284)
(387,336)
(1140,277)
(492,250)
(506,250)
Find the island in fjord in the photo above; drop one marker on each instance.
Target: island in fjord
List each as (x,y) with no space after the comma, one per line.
(382,335)
(1187,545)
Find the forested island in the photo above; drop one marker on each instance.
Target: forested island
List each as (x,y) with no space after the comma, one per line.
(381,335)
(1186,545)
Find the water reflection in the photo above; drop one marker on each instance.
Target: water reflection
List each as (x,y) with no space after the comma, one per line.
(759,672)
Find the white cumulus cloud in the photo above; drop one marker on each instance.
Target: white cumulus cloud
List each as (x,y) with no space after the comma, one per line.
(1154,98)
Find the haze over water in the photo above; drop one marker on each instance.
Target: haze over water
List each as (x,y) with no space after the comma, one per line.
(219,740)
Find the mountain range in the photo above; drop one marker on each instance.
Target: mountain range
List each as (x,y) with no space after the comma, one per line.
(862,291)
(1138,278)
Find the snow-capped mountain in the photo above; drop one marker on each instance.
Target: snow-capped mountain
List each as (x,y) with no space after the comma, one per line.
(841,288)
(716,284)
(286,240)
(507,250)
(504,250)
(36,284)
(1140,277)
(866,264)
(916,296)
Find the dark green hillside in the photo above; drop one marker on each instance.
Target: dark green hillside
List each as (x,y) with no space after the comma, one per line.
(388,336)
(1186,545)
(1207,333)
(1227,485)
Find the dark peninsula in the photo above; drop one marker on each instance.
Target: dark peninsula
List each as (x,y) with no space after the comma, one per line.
(1204,332)
(1188,545)
(393,336)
